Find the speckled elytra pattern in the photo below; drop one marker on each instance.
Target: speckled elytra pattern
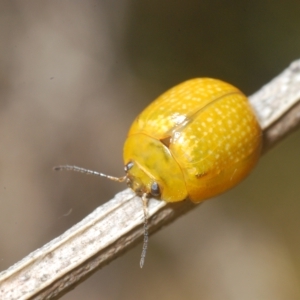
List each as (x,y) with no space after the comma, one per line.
(207,128)
(175,105)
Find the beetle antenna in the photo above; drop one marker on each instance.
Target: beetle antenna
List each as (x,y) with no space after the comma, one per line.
(88,172)
(146,234)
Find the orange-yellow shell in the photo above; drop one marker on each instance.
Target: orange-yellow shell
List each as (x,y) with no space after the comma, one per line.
(197,140)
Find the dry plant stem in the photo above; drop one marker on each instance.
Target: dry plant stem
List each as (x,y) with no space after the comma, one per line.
(113,228)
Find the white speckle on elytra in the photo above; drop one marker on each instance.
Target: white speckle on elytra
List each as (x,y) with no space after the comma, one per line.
(177,135)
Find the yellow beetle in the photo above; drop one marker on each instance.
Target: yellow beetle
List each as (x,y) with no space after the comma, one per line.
(195,141)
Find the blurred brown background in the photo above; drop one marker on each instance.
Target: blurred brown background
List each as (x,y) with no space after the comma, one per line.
(74,74)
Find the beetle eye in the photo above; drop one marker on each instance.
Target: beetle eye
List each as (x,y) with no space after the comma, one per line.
(155,190)
(128,166)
